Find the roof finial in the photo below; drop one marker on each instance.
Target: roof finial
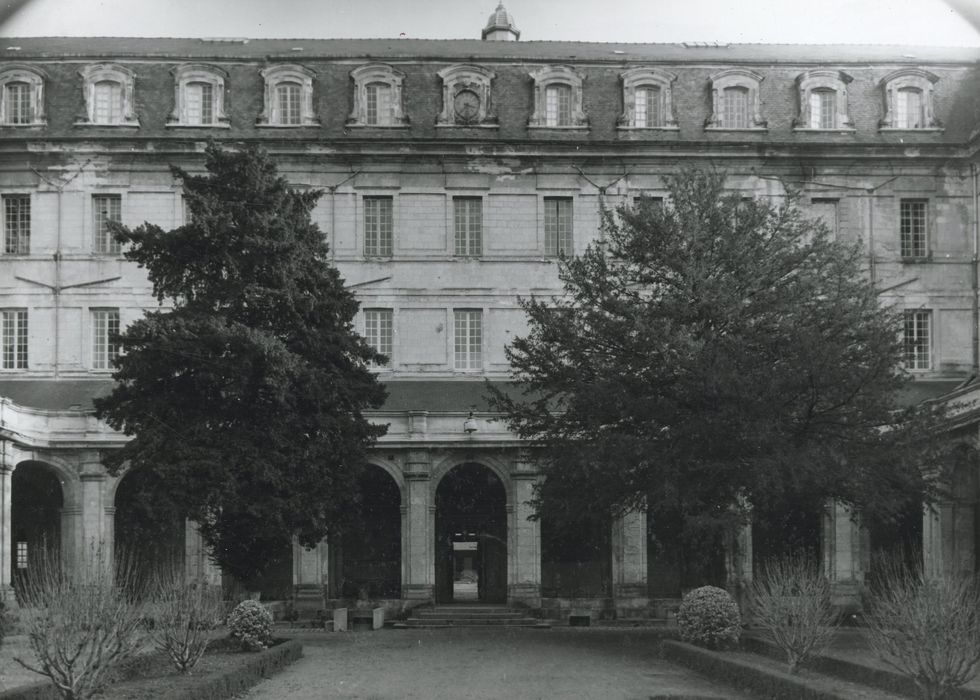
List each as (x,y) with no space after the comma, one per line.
(500,26)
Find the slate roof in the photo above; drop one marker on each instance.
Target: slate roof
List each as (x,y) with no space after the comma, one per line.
(475,49)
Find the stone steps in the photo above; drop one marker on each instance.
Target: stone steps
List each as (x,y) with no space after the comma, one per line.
(470,616)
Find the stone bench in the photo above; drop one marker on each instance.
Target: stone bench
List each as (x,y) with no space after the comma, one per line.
(344,618)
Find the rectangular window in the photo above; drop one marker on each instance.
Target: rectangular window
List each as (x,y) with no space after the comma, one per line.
(108,102)
(21,555)
(468,226)
(13,337)
(106,208)
(199,103)
(378,105)
(826,210)
(914,233)
(648,112)
(918,353)
(288,101)
(558,105)
(18,103)
(823,109)
(17,224)
(105,327)
(468,337)
(378,229)
(909,112)
(558,225)
(378,331)
(735,108)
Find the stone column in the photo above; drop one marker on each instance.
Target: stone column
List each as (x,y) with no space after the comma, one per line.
(947,539)
(523,537)
(7,464)
(629,562)
(198,565)
(739,560)
(846,555)
(92,500)
(311,577)
(418,531)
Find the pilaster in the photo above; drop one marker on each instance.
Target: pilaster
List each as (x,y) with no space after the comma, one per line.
(7,464)
(198,565)
(524,537)
(845,554)
(418,530)
(629,561)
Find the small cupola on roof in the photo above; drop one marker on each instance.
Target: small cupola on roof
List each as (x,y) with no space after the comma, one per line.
(501,27)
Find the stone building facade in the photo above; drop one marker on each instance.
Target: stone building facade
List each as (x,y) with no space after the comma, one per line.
(454,173)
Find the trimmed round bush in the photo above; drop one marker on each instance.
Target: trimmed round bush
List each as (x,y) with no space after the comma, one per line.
(709,616)
(251,624)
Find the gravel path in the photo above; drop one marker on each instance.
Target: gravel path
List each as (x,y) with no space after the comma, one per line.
(477,663)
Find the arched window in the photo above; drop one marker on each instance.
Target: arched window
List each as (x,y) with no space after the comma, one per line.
(199,97)
(21,96)
(108,96)
(557,99)
(647,99)
(823,101)
(288,97)
(909,100)
(377,97)
(735,100)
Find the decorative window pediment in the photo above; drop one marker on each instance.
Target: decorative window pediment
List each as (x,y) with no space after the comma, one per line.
(909,100)
(647,100)
(558,99)
(288,97)
(735,100)
(109,91)
(199,97)
(377,97)
(823,100)
(466,97)
(21,96)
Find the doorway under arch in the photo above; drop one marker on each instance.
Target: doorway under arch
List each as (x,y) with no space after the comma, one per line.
(37,500)
(368,561)
(471,536)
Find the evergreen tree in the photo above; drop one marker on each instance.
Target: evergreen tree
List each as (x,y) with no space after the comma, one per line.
(244,393)
(712,352)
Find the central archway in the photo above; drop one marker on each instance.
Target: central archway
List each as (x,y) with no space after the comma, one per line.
(471,536)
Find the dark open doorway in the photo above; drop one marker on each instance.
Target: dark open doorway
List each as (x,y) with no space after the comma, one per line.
(471,536)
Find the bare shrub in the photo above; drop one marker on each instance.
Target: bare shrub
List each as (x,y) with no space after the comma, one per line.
(81,621)
(926,629)
(790,600)
(184,616)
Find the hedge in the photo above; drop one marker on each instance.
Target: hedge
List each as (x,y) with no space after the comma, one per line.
(219,686)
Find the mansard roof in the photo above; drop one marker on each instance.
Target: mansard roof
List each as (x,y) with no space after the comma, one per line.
(474,50)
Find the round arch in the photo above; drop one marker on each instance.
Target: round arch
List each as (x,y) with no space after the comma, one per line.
(37,528)
(472,516)
(442,468)
(396,475)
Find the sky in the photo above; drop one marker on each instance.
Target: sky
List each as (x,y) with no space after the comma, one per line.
(914,22)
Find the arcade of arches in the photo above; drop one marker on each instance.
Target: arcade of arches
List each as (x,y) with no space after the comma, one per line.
(452,526)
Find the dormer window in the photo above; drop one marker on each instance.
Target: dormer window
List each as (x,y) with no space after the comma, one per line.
(647,99)
(22,96)
(377,97)
(199,97)
(823,101)
(109,93)
(558,99)
(909,100)
(466,97)
(735,100)
(288,97)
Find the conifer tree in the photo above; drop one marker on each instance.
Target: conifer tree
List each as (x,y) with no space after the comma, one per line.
(243,394)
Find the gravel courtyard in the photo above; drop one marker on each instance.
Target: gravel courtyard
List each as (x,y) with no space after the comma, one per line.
(476,663)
